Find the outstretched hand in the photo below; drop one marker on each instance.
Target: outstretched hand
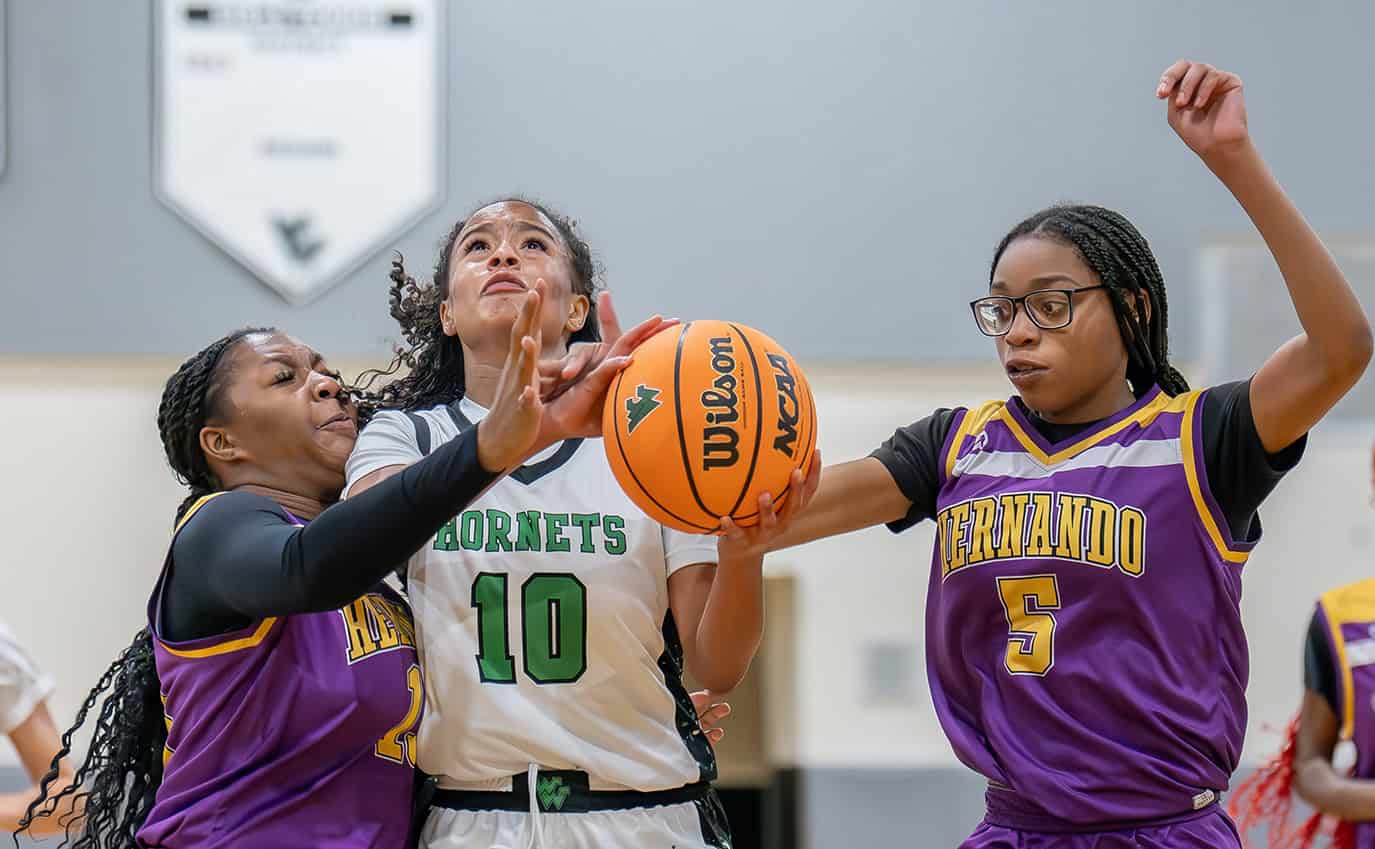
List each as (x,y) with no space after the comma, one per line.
(509,432)
(573,388)
(1206,108)
(735,541)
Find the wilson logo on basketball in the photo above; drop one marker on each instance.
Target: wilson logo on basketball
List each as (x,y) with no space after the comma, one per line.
(637,409)
(788,409)
(721,443)
(738,417)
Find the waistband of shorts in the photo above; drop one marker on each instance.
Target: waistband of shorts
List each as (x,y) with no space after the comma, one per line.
(564,792)
(1046,824)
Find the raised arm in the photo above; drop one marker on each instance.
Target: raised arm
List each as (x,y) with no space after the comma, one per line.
(1302,380)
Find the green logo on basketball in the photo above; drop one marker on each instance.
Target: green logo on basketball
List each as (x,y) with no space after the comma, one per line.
(637,409)
(552,793)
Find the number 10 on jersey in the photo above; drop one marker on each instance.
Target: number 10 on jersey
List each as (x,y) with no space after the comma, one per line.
(553,628)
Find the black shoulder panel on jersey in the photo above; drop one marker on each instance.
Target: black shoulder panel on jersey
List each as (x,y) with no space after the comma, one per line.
(529,473)
(422,433)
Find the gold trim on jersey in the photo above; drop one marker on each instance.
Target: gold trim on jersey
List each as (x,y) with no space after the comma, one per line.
(1161,404)
(167,750)
(1351,603)
(193,509)
(974,421)
(230,646)
(1187,449)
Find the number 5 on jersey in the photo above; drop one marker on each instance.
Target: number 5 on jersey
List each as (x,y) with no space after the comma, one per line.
(1027,604)
(553,628)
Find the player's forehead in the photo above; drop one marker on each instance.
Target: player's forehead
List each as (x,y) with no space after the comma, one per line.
(506,215)
(1032,263)
(278,347)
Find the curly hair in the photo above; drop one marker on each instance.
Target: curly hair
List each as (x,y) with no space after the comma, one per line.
(435,361)
(1122,259)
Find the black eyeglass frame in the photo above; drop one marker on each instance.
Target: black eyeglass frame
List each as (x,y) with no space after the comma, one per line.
(1020,303)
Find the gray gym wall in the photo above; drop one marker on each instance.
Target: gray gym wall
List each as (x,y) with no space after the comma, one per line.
(836,174)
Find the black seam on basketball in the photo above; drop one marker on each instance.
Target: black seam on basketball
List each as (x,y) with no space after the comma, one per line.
(620,449)
(759,419)
(678,411)
(811,450)
(781,495)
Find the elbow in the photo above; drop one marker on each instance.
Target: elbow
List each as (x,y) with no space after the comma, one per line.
(1363,345)
(1303,787)
(1336,364)
(1314,783)
(722,684)
(1346,364)
(721,678)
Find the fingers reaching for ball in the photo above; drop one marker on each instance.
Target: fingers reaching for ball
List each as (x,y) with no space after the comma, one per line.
(774,518)
(583,359)
(707,416)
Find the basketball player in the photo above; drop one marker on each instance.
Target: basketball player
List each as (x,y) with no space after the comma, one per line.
(552,616)
(1084,642)
(24,718)
(273,698)
(1338,704)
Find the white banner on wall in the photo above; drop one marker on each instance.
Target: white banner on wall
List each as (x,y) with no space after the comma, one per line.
(300,136)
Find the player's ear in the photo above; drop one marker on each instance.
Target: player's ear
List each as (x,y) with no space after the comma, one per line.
(578,309)
(1142,302)
(220,446)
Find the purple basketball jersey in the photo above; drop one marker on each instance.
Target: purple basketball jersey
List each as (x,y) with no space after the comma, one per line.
(294,731)
(1349,613)
(1084,639)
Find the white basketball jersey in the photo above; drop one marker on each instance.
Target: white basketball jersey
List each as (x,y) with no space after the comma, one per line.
(542,623)
(22,685)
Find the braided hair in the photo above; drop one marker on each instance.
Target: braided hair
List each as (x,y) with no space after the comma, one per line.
(435,361)
(1122,259)
(193,396)
(116,785)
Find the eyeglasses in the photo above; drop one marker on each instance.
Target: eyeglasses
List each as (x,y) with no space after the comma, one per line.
(1048,309)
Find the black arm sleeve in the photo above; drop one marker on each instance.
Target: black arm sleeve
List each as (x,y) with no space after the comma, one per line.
(240,559)
(1319,675)
(912,456)
(1240,472)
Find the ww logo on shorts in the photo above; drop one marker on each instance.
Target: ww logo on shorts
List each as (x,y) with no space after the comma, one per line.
(552,793)
(646,401)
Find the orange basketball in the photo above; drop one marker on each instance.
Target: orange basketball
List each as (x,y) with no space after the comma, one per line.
(708,416)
